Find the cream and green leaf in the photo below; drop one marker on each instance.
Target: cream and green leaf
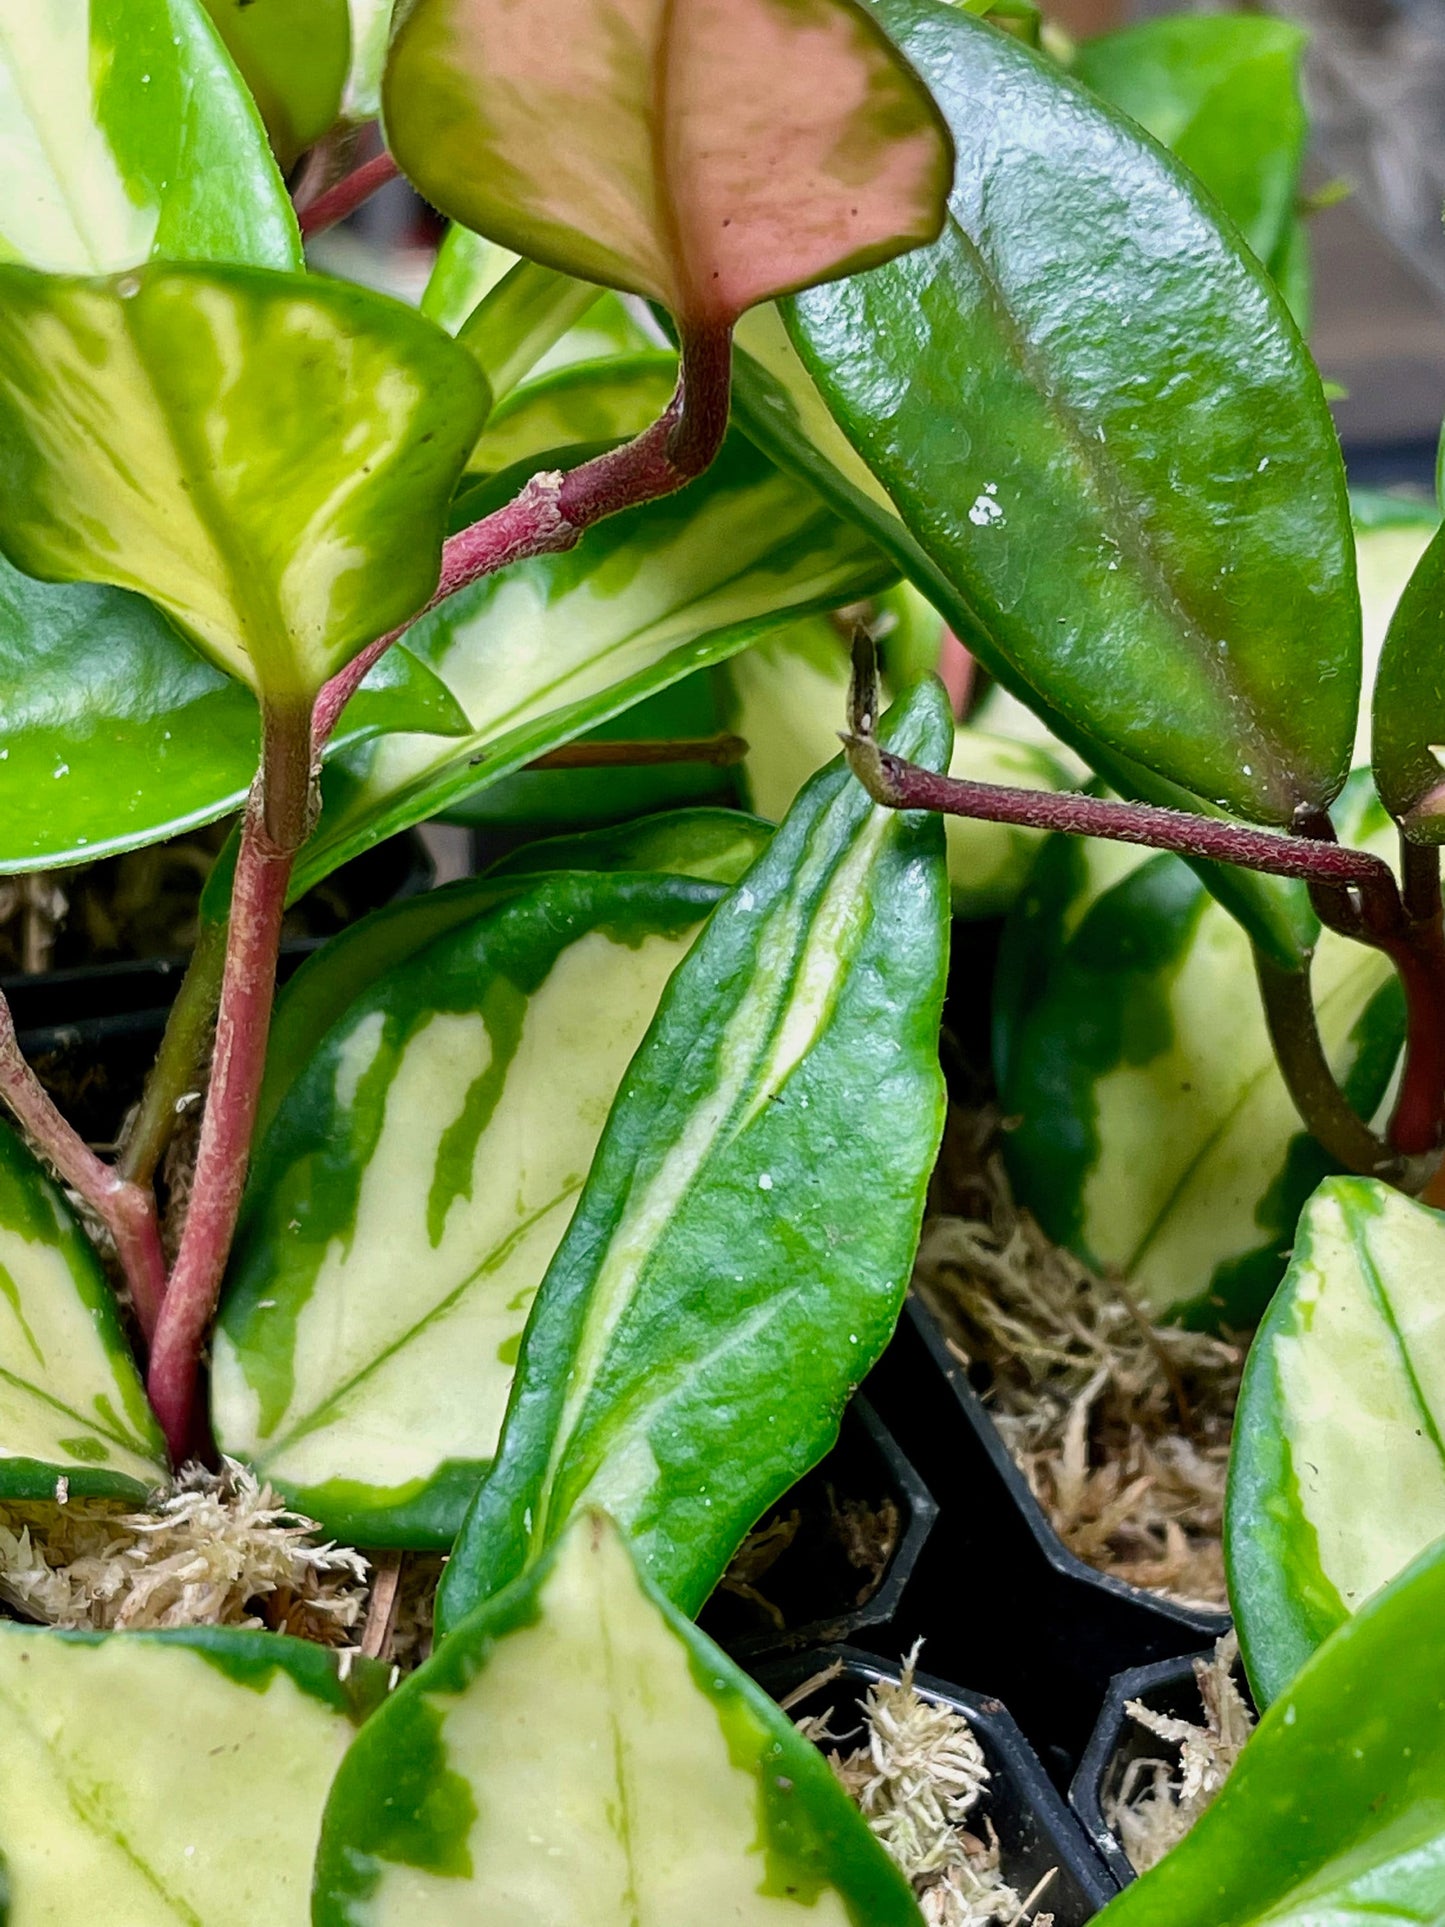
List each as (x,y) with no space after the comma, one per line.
(711,845)
(1155,1135)
(739,1254)
(295,56)
(72,1408)
(1337,1476)
(586,402)
(151,1779)
(125,134)
(713,158)
(1332,1816)
(115,733)
(552,647)
(268,458)
(690,1798)
(413,1184)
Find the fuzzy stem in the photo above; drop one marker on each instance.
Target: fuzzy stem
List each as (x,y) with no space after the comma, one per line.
(276,823)
(554,510)
(346,196)
(1289,1014)
(721,752)
(178,1070)
(127,1210)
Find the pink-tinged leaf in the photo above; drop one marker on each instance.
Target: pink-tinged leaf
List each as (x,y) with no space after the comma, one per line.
(709,154)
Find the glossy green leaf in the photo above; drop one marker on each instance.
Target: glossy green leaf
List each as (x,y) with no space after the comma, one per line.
(517,321)
(1155,1135)
(466,268)
(739,1254)
(71,1404)
(150,1778)
(125,134)
(792,699)
(579,1752)
(714,155)
(1337,1476)
(712,845)
(778,406)
(268,458)
(114,733)
(411,1190)
(588,401)
(1222,91)
(295,56)
(1333,1815)
(553,647)
(1408,713)
(1139,407)
(1391,536)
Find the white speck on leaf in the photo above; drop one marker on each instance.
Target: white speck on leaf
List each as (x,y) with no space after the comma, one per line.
(986,513)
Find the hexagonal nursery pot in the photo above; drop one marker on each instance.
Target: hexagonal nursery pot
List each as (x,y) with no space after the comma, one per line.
(835,1557)
(1036,1832)
(996,1586)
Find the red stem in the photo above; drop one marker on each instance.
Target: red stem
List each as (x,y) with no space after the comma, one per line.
(349,193)
(128,1211)
(274,828)
(553,510)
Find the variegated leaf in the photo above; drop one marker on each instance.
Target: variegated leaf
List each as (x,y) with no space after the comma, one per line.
(148,1779)
(125,134)
(586,402)
(1337,1476)
(72,1411)
(266,457)
(711,845)
(1155,1135)
(552,647)
(740,1252)
(114,733)
(579,1752)
(714,155)
(412,1187)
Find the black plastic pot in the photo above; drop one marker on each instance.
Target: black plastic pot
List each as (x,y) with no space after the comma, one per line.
(1171,1688)
(821,1595)
(1035,1829)
(92,1032)
(996,1589)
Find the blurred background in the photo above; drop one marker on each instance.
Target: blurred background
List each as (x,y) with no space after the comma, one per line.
(1375,86)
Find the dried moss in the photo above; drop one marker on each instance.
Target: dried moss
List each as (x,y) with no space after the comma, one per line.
(1158,1801)
(217,1550)
(1121,1426)
(916,1780)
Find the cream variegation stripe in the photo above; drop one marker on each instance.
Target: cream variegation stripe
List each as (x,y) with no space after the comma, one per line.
(1361,1370)
(660,1822)
(144,1787)
(802,954)
(391,1316)
(65,206)
(62,1400)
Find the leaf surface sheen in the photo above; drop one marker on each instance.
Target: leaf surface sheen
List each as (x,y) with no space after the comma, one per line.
(715,154)
(125,134)
(740,1252)
(690,1798)
(269,458)
(1337,1479)
(415,1179)
(1333,1815)
(1138,406)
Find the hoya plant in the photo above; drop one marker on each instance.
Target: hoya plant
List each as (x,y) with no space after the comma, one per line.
(552,1217)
